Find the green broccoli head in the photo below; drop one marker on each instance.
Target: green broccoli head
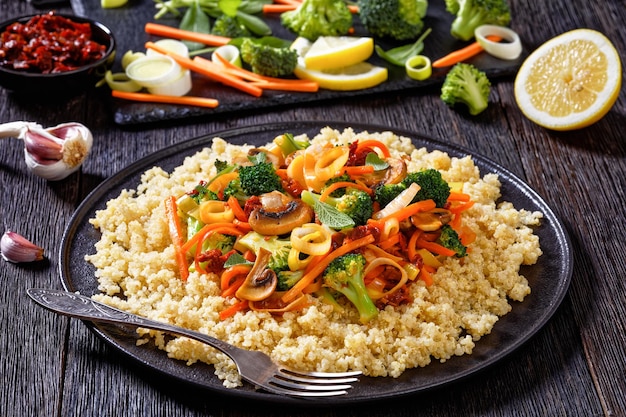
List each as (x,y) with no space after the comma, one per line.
(259,178)
(449,238)
(397,19)
(432,187)
(473,13)
(315,18)
(229,26)
(355,203)
(268,60)
(287,279)
(279,249)
(345,275)
(222,242)
(468,85)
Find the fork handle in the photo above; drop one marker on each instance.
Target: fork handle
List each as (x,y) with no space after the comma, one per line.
(81,307)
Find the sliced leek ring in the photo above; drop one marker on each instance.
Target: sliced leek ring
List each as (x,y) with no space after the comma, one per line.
(418,67)
(229,52)
(510,49)
(119,81)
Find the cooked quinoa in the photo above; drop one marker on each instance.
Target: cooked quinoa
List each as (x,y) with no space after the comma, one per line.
(137,272)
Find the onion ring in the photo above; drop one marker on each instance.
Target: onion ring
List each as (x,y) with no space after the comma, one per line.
(510,49)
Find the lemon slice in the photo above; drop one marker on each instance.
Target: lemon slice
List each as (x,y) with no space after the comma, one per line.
(329,52)
(355,77)
(569,82)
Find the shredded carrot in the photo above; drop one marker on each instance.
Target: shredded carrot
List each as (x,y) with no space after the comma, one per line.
(243,226)
(411,209)
(457,196)
(226,228)
(390,241)
(263,81)
(357,170)
(234,205)
(234,286)
(210,70)
(463,54)
(230,311)
(218,184)
(319,267)
(232,272)
(412,245)
(373,143)
(467,235)
(188,35)
(176,233)
(426,276)
(343,184)
(434,247)
(158,98)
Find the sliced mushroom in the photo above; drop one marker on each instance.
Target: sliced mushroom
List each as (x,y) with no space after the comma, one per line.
(432,220)
(279,214)
(396,172)
(261,281)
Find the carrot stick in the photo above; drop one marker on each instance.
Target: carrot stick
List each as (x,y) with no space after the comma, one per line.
(234,205)
(174,33)
(319,267)
(263,81)
(410,210)
(230,311)
(208,69)
(373,143)
(226,279)
(176,233)
(158,98)
(458,196)
(426,276)
(343,184)
(234,286)
(353,171)
(435,248)
(463,53)
(222,227)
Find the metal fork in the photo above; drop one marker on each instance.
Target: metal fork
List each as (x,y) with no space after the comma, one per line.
(254,367)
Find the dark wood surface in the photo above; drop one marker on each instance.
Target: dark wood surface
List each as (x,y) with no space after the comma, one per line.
(575,366)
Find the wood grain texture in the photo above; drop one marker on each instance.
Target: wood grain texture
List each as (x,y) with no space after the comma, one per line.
(575,366)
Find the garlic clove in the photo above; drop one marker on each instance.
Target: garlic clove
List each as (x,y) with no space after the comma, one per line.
(16,248)
(43,149)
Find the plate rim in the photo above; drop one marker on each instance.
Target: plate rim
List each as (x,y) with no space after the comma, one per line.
(418,139)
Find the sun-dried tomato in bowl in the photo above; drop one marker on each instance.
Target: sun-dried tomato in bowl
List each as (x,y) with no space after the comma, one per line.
(48,43)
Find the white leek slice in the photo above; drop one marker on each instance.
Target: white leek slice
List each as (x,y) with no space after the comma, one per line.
(153,71)
(508,49)
(418,67)
(229,52)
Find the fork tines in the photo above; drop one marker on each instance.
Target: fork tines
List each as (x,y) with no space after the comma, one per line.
(313,384)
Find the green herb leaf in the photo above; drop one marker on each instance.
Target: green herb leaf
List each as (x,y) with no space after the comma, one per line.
(229,7)
(374,160)
(332,217)
(236,259)
(195,20)
(398,56)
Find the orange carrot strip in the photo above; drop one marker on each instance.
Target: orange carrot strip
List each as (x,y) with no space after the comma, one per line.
(463,54)
(411,209)
(158,98)
(176,233)
(230,311)
(264,81)
(234,286)
(343,184)
(233,203)
(435,248)
(224,227)
(426,276)
(412,245)
(373,143)
(319,267)
(232,272)
(458,196)
(353,171)
(389,242)
(208,69)
(175,33)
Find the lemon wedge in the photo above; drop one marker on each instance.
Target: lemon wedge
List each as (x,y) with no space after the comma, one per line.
(355,77)
(569,82)
(329,52)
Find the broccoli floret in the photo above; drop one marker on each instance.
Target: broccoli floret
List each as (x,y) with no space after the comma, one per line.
(259,178)
(268,60)
(473,13)
(397,19)
(224,243)
(355,203)
(278,247)
(466,84)
(449,238)
(229,27)
(315,18)
(287,279)
(432,187)
(345,275)
(201,193)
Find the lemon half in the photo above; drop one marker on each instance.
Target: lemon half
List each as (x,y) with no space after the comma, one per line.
(569,82)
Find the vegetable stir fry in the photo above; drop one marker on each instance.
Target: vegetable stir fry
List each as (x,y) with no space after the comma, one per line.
(296,220)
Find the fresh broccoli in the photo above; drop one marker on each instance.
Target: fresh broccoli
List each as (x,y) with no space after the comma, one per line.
(268,60)
(473,13)
(259,178)
(278,247)
(345,275)
(432,187)
(287,279)
(397,19)
(222,242)
(315,18)
(449,238)
(230,27)
(355,203)
(468,85)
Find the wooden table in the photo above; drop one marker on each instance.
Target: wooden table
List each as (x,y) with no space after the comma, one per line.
(574,366)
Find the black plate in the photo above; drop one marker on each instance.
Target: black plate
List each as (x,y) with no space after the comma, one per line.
(549,278)
(127,24)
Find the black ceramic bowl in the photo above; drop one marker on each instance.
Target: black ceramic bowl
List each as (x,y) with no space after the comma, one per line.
(67,82)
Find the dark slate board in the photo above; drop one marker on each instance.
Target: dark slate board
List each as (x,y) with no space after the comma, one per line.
(127,24)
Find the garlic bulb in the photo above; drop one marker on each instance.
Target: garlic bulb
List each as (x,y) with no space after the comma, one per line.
(16,248)
(52,153)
